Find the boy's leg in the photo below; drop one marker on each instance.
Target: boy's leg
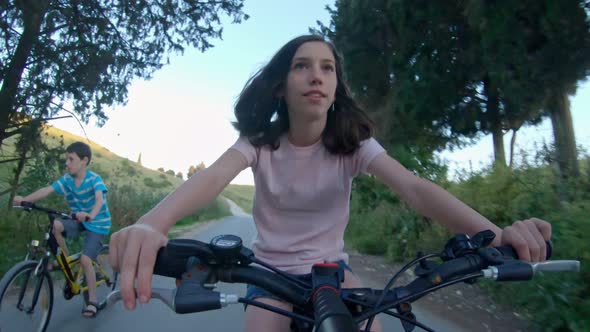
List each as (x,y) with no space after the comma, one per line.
(71,230)
(92,246)
(90,282)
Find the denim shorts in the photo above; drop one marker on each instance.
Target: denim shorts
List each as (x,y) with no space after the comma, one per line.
(92,241)
(253,292)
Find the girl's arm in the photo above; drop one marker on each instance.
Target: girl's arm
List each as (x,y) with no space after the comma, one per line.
(195,193)
(133,249)
(527,237)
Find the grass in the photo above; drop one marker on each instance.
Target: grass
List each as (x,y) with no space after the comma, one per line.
(242,195)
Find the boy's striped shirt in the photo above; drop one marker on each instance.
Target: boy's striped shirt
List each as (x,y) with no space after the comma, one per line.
(82,199)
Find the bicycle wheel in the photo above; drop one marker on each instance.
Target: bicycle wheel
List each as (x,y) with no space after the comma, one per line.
(18,310)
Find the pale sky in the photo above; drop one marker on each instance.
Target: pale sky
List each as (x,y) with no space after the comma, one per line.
(181,117)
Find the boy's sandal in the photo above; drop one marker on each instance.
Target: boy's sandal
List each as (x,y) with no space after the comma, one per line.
(89,313)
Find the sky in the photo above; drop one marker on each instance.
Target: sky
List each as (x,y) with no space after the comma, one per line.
(182,116)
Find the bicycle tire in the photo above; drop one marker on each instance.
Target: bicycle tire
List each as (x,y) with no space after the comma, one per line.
(10,286)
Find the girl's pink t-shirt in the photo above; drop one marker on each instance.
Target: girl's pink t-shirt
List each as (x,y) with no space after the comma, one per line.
(301,202)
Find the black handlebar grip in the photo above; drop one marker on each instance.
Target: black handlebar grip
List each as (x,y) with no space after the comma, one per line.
(168,263)
(331,313)
(172,259)
(508,251)
(27,204)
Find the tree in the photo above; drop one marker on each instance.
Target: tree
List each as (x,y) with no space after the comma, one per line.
(397,57)
(171,172)
(87,52)
(139,159)
(193,169)
(437,74)
(179,175)
(536,52)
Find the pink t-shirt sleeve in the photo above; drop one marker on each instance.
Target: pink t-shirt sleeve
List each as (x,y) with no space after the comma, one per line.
(368,150)
(244,146)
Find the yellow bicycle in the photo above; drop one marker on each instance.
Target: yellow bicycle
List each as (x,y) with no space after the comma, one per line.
(26,290)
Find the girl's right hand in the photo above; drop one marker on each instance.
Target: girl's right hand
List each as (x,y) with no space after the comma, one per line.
(133,251)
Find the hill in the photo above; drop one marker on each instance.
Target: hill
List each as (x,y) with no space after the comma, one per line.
(133,190)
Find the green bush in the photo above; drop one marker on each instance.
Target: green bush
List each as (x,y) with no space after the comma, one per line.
(150,183)
(127,204)
(380,224)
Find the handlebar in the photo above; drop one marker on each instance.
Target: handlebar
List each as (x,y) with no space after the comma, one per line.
(324,304)
(28,206)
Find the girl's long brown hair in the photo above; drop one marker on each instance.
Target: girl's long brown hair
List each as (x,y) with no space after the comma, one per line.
(263,118)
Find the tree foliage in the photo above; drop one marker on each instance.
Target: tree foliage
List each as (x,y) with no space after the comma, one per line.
(438,74)
(195,168)
(87,52)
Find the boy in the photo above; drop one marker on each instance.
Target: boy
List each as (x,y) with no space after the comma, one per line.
(86,195)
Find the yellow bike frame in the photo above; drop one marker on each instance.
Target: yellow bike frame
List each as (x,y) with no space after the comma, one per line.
(74,273)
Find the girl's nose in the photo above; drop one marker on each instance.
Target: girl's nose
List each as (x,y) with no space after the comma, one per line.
(316,75)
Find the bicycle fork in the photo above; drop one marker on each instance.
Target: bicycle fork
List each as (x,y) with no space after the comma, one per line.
(37,273)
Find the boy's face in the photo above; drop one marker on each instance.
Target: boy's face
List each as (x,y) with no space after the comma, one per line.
(74,164)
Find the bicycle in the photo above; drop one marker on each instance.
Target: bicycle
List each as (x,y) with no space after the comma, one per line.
(27,288)
(320,304)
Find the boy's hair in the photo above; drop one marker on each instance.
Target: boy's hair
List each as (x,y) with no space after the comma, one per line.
(81,149)
(262,117)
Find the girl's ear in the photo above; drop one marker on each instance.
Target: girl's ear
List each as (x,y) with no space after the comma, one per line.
(280,91)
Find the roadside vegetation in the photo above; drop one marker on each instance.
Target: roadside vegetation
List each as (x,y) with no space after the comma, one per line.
(382,225)
(133,191)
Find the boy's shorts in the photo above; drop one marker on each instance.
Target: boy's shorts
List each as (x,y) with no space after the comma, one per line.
(92,241)
(253,292)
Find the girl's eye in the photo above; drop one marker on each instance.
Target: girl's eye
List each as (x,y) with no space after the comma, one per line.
(328,67)
(300,65)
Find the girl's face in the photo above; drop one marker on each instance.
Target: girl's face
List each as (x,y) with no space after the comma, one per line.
(311,82)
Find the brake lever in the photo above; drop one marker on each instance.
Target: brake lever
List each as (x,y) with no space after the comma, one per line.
(165,295)
(557,266)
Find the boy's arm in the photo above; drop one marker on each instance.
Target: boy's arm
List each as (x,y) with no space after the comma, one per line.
(37,195)
(98,201)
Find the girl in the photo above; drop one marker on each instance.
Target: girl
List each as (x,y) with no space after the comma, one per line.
(305,139)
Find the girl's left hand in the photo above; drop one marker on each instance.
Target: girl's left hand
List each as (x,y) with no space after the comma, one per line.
(528,238)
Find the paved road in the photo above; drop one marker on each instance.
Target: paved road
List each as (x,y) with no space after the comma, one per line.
(155,316)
